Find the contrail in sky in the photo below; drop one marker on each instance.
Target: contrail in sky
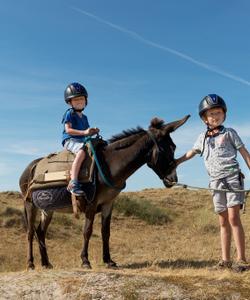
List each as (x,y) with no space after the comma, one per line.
(182,55)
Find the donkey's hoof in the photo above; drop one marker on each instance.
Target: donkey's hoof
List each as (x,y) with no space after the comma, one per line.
(86,265)
(112,265)
(48,266)
(30,267)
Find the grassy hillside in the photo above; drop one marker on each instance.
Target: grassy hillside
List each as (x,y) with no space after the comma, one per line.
(170,236)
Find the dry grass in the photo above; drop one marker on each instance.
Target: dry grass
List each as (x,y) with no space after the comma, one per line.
(168,261)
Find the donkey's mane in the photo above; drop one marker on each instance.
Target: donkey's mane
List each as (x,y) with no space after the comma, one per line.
(125,134)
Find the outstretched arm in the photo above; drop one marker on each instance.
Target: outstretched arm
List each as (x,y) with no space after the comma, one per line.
(245,154)
(190,154)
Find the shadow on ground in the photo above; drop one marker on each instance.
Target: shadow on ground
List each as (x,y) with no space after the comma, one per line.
(172,264)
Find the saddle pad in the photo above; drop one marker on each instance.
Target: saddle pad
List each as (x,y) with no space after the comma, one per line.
(59,197)
(51,199)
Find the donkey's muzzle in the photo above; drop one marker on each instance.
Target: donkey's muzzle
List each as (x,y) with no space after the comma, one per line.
(170,180)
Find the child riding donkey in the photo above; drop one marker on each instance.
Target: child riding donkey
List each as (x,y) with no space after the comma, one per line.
(76,130)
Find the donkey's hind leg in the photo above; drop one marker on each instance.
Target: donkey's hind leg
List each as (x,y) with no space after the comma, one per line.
(41,236)
(87,232)
(106,218)
(30,212)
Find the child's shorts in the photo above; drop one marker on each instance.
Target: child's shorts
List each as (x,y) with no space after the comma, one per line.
(74,145)
(224,200)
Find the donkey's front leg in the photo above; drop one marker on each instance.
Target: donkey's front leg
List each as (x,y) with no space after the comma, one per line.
(87,232)
(106,218)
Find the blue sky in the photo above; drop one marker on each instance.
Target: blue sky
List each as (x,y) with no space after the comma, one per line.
(137,59)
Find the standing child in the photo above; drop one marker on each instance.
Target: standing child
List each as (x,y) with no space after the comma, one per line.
(219,146)
(76,129)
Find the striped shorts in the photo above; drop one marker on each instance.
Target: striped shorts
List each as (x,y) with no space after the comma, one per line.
(74,145)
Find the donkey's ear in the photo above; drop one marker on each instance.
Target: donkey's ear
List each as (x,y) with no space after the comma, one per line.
(170,127)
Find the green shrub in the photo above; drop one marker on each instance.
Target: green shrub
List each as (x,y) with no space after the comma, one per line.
(63,220)
(12,217)
(141,209)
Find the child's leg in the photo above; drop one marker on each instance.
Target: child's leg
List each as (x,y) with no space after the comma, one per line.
(76,165)
(225,235)
(238,231)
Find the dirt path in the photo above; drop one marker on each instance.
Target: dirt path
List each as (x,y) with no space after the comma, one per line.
(78,284)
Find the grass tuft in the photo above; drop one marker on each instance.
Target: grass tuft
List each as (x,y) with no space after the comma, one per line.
(10,211)
(63,220)
(143,210)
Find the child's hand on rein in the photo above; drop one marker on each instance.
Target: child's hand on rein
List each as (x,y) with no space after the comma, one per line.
(93,131)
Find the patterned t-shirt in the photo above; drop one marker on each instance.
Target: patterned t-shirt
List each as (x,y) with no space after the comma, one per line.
(220,152)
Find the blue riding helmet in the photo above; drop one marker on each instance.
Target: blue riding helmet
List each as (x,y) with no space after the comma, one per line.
(211,101)
(74,90)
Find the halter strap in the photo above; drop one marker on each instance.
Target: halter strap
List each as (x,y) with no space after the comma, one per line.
(152,137)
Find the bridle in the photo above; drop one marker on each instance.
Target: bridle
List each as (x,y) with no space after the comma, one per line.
(152,137)
(171,164)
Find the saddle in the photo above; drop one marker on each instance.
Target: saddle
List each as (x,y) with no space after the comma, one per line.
(51,175)
(54,170)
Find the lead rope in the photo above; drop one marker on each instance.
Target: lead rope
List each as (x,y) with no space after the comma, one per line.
(189,187)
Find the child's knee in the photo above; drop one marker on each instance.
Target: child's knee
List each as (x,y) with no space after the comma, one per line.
(223,219)
(81,153)
(234,215)
(235,220)
(224,222)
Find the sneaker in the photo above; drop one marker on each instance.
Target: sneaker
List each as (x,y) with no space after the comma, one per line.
(75,188)
(222,265)
(240,266)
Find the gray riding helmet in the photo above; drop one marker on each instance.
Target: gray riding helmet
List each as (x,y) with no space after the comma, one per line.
(211,101)
(74,90)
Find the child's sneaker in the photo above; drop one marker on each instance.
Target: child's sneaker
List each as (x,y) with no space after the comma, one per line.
(240,266)
(75,188)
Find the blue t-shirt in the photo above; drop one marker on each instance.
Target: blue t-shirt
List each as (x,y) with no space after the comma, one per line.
(77,122)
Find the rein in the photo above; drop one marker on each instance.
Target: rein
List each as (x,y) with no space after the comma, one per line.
(104,178)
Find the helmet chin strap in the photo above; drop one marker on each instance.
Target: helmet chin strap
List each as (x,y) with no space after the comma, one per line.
(210,133)
(219,128)
(78,110)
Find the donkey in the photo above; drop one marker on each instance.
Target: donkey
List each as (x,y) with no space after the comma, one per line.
(122,156)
